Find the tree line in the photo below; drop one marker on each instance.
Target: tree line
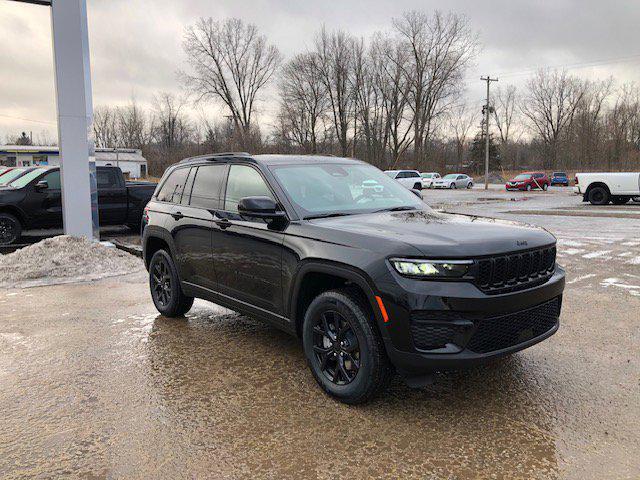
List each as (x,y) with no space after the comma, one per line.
(395,100)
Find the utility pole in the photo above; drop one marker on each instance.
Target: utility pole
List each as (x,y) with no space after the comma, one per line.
(487,110)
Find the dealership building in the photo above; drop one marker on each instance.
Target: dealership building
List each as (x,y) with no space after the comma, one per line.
(130,160)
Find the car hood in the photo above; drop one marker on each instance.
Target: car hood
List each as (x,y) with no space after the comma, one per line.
(444,235)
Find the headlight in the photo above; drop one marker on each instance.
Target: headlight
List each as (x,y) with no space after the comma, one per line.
(431,268)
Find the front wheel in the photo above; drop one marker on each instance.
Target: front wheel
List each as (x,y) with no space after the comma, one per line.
(452,185)
(10,229)
(343,347)
(470,185)
(164,283)
(544,187)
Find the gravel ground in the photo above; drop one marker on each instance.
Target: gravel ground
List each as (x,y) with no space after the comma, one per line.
(64,259)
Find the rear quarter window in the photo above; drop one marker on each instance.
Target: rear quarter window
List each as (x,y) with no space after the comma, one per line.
(171,189)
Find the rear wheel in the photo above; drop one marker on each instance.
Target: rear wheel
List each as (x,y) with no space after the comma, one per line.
(544,187)
(164,283)
(343,347)
(599,196)
(10,229)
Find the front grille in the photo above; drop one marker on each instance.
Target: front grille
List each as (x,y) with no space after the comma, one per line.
(505,331)
(517,271)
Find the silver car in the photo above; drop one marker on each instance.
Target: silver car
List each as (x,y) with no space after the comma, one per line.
(454,180)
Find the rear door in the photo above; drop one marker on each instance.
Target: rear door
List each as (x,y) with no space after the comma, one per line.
(193,224)
(248,255)
(112,196)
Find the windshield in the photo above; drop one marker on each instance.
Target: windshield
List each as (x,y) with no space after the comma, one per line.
(451,176)
(11,175)
(523,177)
(26,178)
(322,189)
(427,175)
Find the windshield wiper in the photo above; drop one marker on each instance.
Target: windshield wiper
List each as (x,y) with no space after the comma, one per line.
(396,209)
(327,215)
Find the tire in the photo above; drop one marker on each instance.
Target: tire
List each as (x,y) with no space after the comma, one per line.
(545,187)
(599,196)
(528,187)
(470,185)
(10,229)
(165,288)
(418,186)
(360,343)
(453,186)
(620,200)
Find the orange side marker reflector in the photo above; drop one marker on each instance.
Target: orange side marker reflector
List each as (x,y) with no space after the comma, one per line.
(383,310)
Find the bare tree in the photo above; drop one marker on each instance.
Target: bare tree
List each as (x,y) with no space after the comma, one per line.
(550,105)
(460,119)
(303,102)
(133,126)
(105,126)
(505,116)
(441,46)
(172,127)
(335,55)
(231,63)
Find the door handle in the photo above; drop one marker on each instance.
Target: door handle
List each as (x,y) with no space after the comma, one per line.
(177,215)
(223,223)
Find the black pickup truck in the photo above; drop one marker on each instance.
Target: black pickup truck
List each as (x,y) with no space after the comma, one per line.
(34,201)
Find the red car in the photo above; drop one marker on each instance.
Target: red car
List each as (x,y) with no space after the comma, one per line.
(529,181)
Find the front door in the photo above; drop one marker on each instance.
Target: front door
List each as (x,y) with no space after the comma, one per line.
(47,202)
(247,253)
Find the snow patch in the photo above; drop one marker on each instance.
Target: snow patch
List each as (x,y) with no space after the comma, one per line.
(598,254)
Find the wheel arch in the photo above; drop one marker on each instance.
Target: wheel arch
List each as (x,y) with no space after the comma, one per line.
(16,212)
(155,239)
(593,185)
(317,276)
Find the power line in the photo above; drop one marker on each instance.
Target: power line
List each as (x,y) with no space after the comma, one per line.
(27,119)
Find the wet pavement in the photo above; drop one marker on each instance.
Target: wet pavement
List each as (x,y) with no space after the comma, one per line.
(95,384)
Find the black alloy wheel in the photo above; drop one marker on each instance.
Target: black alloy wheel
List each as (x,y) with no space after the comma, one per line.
(336,348)
(164,284)
(343,346)
(10,229)
(599,196)
(161,283)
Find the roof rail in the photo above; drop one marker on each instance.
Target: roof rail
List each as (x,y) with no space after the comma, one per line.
(214,156)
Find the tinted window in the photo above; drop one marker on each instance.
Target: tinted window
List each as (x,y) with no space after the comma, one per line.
(171,190)
(412,174)
(243,182)
(106,178)
(53,179)
(206,187)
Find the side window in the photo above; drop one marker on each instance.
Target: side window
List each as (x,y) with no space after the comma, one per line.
(460,177)
(207,185)
(244,181)
(52,179)
(188,186)
(402,175)
(413,174)
(171,190)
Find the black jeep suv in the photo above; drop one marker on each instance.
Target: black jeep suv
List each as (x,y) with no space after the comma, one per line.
(336,252)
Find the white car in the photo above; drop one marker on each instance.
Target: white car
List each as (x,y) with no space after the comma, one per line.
(411,179)
(602,188)
(428,178)
(454,180)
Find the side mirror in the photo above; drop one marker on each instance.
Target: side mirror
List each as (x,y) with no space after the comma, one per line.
(262,207)
(417,193)
(42,185)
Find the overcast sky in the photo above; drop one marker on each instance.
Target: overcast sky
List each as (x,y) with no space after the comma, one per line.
(136,44)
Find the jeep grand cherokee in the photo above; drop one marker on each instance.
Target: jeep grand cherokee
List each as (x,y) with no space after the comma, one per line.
(334,251)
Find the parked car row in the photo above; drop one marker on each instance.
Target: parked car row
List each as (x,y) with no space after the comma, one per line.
(537,181)
(414,180)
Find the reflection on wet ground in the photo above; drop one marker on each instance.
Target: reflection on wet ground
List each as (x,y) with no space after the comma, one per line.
(94,383)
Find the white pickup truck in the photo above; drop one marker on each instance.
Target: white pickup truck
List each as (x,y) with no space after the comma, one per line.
(602,188)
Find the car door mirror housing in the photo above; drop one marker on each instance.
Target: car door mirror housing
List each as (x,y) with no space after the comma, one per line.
(262,207)
(42,185)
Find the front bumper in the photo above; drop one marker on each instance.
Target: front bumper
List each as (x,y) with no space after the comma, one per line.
(463,309)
